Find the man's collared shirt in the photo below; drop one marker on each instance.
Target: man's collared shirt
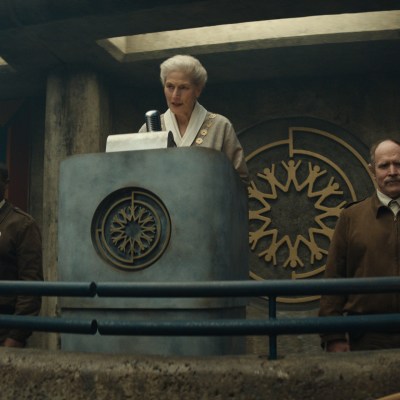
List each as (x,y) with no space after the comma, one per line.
(393,204)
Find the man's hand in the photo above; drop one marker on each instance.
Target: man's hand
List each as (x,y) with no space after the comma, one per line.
(9,342)
(337,346)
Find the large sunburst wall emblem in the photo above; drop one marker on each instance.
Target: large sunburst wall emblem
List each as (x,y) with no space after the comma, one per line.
(295,197)
(131,228)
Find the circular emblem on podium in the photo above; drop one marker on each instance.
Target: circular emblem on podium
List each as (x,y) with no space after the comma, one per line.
(131,229)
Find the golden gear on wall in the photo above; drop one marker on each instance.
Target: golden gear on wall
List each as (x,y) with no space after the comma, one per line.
(303,172)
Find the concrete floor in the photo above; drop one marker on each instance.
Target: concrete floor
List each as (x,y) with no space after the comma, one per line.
(54,375)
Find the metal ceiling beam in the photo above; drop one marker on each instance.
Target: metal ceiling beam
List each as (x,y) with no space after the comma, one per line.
(20,13)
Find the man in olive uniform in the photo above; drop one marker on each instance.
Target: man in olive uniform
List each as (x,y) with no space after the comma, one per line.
(20,259)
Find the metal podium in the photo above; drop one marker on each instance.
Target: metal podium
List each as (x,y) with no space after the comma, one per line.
(162,215)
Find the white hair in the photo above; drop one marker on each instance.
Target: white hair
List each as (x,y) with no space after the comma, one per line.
(189,65)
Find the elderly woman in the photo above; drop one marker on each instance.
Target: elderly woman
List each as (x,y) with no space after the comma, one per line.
(183,78)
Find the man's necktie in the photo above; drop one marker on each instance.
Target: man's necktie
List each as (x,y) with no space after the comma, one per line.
(394,206)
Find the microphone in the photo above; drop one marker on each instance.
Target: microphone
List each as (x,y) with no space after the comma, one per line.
(153,124)
(153,121)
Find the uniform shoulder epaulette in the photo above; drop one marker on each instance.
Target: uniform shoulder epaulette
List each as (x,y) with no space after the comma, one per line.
(353,203)
(19,211)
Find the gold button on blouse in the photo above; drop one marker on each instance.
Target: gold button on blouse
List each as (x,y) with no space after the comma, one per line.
(203,132)
(199,141)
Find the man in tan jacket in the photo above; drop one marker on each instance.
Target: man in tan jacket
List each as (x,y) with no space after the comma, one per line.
(366,243)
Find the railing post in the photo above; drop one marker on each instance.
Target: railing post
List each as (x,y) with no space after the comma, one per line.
(273,352)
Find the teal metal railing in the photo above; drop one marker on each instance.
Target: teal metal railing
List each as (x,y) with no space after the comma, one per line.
(271,326)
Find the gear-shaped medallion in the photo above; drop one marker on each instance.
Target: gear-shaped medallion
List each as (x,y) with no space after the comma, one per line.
(131,228)
(296,195)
